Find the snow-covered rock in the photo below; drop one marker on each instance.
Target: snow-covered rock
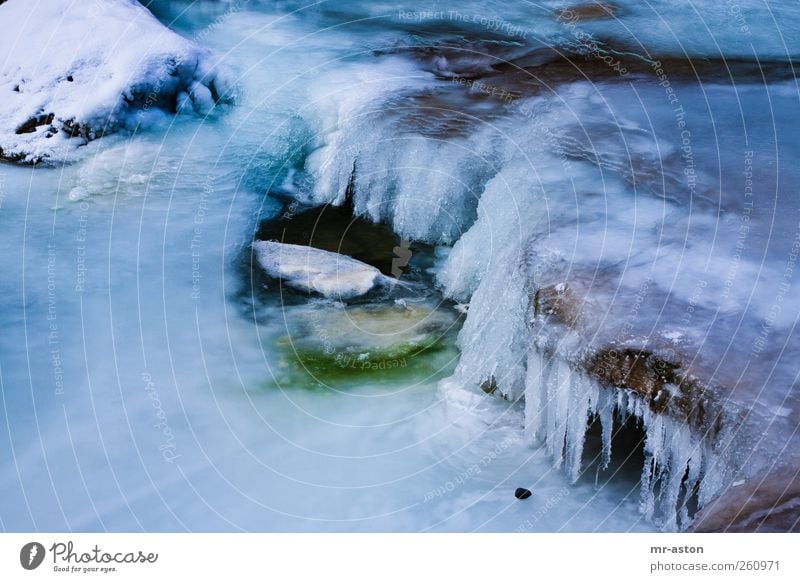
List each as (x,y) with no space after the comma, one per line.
(74,71)
(309,269)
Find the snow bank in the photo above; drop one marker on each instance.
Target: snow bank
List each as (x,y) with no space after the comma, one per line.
(71,72)
(309,269)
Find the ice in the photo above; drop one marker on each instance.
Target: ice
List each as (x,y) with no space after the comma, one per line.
(703,28)
(71,72)
(527,203)
(559,402)
(330,274)
(148,215)
(558,405)
(392,177)
(583,191)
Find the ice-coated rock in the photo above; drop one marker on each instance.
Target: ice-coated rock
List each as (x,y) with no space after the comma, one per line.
(71,72)
(309,269)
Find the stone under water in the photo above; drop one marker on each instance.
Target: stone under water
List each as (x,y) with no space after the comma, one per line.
(390,344)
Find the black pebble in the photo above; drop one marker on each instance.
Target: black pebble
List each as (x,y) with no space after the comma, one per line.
(522,493)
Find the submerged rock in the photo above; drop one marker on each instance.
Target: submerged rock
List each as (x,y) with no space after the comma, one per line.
(339,345)
(587,12)
(769,503)
(330,274)
(74,71)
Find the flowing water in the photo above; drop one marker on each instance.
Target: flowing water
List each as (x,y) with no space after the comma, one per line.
(151,380)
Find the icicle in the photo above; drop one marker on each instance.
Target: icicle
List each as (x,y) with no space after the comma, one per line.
(678,455)
(535,408)
(580,407)
(622,405)
(654,443)
(558,390)
(605,408)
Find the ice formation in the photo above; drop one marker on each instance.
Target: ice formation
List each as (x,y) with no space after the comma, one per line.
(393,178)
(329,274)
(587,192)
(560,401)
(71,72)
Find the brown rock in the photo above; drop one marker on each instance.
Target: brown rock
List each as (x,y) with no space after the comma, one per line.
(662,383)
(587,12)
(558,304)
(770,503)
(34,122)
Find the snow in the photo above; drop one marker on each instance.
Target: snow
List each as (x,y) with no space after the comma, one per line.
(71,72)
(309,269)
